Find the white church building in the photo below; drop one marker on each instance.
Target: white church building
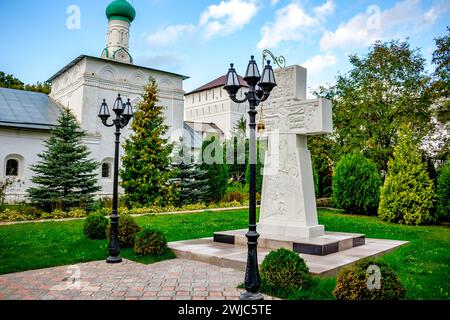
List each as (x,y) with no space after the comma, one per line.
(27,117)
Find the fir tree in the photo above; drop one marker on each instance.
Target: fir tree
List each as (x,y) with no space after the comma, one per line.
(217,170)
(145,166)
(407,194)
(190,182)
(65,176)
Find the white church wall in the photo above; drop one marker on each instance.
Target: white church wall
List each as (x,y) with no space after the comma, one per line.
(24,146)
(215,106)
(82,88)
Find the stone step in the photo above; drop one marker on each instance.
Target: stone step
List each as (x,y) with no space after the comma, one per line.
(330,242)
(235,256)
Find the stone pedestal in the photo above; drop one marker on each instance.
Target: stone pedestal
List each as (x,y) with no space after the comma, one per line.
(288,206)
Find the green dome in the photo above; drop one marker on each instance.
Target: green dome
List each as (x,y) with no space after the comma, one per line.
(120,10)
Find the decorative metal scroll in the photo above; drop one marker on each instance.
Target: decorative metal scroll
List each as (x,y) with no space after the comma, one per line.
(279,61)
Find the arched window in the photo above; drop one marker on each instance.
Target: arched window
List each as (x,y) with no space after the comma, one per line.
(12,168)
(106,170)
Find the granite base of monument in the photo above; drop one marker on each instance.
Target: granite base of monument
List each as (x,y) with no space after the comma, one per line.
(320,263)
(328,243)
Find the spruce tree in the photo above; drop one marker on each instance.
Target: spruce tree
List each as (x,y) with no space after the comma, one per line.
(65,176)
(190,184)
(407,194)
(217,170)
(145,166)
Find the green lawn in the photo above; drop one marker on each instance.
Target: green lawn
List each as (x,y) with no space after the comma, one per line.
(423,265)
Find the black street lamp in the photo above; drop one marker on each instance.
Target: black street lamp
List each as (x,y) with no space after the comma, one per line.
(124,112)
(259,91)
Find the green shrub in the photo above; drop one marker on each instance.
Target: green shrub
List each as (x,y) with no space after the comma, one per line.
(95,226)
(34,212)
(128,228)
(236,191)
(443,192)
(103,211)
(407,194)
(14,215)
(76,213)
(356,184)
(316,182)
(217,172)
(4,185)
(57,214)
(358,282)
(284,269)
(95,206)
(150,241)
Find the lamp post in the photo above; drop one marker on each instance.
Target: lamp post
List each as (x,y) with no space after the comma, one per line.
(259,91)
(124,112)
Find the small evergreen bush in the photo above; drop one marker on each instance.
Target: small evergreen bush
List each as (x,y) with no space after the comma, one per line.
(128,228)
(95,226)
(443,192)
(150,241)
(359,282)
(407,195)
(356,184)
(284,269)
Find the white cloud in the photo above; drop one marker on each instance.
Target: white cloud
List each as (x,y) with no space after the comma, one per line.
(274,2)
(169,35)
(319,62)
(326,9)
(291,22)
(227,17)
(224,18)
(404,17)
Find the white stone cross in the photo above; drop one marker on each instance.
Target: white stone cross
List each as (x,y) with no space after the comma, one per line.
(288,206)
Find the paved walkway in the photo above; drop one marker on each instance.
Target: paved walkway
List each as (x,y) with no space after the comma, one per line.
(176,279)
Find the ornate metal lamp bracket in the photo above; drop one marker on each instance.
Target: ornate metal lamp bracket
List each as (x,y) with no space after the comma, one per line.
(279,61)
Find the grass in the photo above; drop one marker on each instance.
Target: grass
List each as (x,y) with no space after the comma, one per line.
(39,245)
(423,264)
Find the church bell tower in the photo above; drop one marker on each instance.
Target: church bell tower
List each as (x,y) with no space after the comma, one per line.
(120,14)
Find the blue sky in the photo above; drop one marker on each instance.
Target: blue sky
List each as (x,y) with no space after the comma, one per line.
(199,38)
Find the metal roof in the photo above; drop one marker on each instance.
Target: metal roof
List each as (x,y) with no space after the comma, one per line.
(78,59)
(204,126)
(194,139)
(26,109)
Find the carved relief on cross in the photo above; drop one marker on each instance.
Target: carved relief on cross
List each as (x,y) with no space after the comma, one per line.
(288,204)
